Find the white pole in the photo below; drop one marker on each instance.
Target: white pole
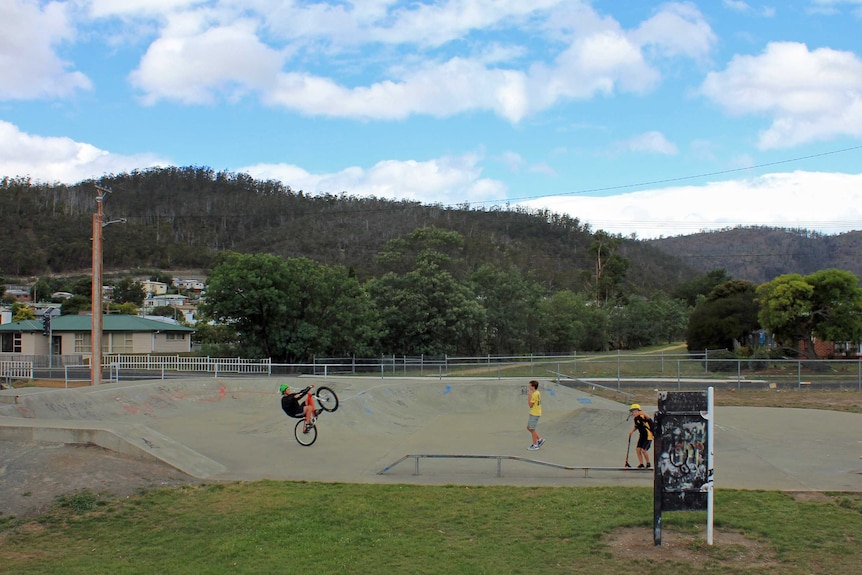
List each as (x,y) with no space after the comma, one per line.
(710,472)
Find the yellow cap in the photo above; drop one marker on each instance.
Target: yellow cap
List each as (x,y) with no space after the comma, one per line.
(634,406)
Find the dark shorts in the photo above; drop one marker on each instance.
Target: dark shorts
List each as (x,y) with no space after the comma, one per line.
(644,443)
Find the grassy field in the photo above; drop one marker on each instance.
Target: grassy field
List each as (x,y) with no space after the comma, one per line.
(286,527)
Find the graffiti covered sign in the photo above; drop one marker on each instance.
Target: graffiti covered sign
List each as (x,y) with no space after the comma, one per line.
(684,470)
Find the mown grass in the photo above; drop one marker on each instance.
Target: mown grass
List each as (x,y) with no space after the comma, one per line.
(316,528)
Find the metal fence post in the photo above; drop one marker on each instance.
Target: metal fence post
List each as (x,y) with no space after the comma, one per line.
(798,374)
(738,374)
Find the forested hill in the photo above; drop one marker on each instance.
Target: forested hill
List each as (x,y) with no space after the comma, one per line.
(760,254)
(180,218)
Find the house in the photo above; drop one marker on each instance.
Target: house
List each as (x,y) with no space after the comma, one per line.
(70,335)
(19,293)
(153,287)
(192,285)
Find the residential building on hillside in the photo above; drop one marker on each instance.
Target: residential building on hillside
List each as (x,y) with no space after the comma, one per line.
(193,285)
(153,287)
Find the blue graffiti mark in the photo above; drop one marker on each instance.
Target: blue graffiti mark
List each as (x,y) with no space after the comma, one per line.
(552,393)
(447,390)
(585,400)
(368,410)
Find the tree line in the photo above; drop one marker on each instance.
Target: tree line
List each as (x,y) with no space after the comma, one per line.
(426,302)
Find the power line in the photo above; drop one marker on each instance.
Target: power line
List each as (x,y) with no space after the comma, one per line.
(678,179)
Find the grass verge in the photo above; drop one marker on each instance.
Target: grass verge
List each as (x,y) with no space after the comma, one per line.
(290,527)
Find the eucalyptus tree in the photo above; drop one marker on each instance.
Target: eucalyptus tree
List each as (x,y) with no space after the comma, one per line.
(424,306)
(571,322)
(511,303)
(826,305)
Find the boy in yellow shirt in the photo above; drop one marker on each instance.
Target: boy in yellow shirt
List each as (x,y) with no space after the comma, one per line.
(534,400)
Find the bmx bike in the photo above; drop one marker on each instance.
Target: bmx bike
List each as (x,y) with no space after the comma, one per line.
(324,400)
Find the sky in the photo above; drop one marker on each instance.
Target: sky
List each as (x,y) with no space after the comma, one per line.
(645,119)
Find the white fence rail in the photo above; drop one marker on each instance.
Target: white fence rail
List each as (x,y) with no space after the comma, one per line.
(189,364)
(16,369)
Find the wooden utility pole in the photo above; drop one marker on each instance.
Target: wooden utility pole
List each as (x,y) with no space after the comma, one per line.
(96,293)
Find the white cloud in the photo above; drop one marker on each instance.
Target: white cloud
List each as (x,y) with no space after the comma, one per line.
(827,202)
(834,6)
(513,161)
(202,54)
(29,64)
(189,68)
(51,159)
(737,5)
(810,95)
(677,30)
(448,180)
(653,142)
(390,22)
(126,8)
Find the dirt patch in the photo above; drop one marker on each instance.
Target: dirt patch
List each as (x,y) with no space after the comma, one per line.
(729,548)
(34,475)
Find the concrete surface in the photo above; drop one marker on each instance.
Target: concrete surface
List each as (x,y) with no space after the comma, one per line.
(234,429)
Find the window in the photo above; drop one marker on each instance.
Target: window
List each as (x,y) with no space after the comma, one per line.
(121,343)
(11,343)
(171,336)
(83,344)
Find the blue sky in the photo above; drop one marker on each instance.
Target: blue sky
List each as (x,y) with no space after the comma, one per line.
(645,118)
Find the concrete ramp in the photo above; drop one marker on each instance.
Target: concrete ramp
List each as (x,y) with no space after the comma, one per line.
(234,429)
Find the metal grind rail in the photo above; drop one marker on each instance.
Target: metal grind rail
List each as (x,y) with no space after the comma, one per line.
(500,458)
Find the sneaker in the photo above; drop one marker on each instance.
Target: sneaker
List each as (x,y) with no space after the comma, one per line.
(648,465)
(641,466)
(541,441)
(533,447)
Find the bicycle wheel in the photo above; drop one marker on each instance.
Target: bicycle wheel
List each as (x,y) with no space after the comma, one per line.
(303,438)
(327,399)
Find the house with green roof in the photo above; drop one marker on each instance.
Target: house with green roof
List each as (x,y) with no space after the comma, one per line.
(70,335)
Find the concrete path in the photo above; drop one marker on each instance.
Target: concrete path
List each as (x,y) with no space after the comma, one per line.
(234,429)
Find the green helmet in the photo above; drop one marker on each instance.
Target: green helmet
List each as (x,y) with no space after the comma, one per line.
(282,388)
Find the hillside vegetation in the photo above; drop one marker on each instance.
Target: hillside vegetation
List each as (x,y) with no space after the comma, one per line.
(759,254)
(182,217)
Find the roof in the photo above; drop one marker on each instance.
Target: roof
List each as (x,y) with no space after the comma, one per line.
(83,323)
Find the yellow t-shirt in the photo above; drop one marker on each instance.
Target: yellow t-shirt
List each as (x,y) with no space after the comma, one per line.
(536,400)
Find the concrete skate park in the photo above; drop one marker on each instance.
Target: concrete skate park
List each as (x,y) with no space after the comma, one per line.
(421,430)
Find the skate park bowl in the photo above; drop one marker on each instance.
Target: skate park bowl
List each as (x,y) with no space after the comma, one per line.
(421,430)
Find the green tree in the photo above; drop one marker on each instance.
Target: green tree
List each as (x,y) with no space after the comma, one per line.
(610,268)
(700,286)
(218,340)
(423,306)
(570,323)
(826,305)
(127,290)
(21,312)
(290,310)
(512,307)
(724,318)
(76,304)
(41,291)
